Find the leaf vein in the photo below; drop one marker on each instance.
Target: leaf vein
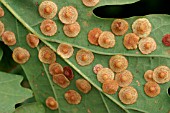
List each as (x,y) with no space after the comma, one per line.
(105,103)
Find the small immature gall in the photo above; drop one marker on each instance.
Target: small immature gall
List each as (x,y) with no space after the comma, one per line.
(128,95)
(55,68)
(48,9)
(142,27)
(2,28)
(8,38)
(149,76)
(71,30)
(131,41)
(84,57)
(105,74)
(51,103)
(48,27)
(68,15)
(106,39)
(83,85)
(147,45)
(65,50)
(20,55)
(124,78)
(68,72)
(119,27)
(97,68)
(1,12)
(166,40)
(110,86)
(93,36)
(72,97)
(152,89)
(32,40)
(90,3)
(46,55)
(161,74)
(118,63)
(61,80)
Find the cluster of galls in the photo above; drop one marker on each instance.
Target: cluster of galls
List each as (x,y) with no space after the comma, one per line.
(123,78)
(68,16)
(8,37)
(62,75)
(159,75)
(141,29)
(20,55)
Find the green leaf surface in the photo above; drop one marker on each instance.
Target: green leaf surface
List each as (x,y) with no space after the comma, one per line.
(31,108)
(96,101)
(11,92)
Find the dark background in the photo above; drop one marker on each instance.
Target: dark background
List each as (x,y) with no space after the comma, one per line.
(141,8)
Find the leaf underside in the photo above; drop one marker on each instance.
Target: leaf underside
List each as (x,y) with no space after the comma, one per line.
(26,19)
